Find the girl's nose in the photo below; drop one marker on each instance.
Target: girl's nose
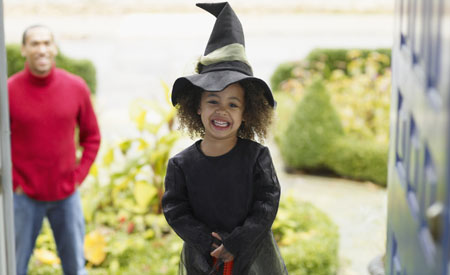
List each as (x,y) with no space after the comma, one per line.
(220,111)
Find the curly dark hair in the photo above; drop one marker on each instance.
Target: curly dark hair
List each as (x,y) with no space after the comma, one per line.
(257,114)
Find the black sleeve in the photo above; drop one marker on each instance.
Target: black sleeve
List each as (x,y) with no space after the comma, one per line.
(178,212)
(264,208)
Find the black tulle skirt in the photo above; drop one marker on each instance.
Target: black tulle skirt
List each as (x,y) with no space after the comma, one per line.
(264,260)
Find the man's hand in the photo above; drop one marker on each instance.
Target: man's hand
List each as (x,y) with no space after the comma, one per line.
(19,190)
(221,252)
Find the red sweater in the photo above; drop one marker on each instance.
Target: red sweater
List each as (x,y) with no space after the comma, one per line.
(43,115)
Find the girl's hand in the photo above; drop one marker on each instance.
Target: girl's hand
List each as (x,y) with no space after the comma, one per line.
(221,252)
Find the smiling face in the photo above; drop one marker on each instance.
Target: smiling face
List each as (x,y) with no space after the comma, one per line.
(40,50)
(221,112)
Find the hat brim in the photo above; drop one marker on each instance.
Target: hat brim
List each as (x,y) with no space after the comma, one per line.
(217,81)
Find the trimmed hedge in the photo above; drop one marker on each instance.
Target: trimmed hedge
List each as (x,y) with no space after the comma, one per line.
(357,83)
(313,141)
(359,159)
(324,61)
(312,129)
(339,58)
(81,67)
(282,73)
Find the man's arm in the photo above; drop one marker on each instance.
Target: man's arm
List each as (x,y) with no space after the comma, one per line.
(89,137)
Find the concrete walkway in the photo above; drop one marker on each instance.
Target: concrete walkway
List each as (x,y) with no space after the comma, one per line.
(133,52)
(358,208)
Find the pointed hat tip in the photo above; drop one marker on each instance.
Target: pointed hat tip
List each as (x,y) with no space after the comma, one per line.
(213,8)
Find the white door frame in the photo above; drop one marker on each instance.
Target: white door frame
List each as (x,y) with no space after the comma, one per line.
(7,254)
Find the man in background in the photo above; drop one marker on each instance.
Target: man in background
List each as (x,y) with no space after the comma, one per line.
(46,105)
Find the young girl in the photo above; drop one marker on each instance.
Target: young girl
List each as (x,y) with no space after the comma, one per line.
(222,192)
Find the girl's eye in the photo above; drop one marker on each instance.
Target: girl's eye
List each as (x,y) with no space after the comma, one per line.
(232,105)
(212,102)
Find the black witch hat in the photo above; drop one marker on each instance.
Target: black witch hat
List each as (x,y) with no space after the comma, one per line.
(224,61)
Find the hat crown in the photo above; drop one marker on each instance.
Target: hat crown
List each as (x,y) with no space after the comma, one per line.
(227,29)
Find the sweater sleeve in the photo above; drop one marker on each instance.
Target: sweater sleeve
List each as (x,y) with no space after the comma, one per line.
(89,136)
(263,211)
(178,212)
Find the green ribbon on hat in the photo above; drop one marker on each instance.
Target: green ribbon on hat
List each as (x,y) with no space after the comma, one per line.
(231,52)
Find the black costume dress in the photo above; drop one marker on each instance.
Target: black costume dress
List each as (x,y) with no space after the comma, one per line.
(235,195)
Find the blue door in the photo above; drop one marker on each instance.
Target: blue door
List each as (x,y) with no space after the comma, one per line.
(419,164)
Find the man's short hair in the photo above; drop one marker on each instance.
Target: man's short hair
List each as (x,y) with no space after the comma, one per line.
(25,32)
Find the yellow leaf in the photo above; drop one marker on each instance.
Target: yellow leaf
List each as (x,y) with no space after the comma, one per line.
(46,256)
(153,128)
(125,145)
(114,266)
(143,193)
(95,247)
(166,92)
(89,205)
(44,239)
(149,234)
(122,185)
(140,120)
(109,157)
(94,170)
(143,144)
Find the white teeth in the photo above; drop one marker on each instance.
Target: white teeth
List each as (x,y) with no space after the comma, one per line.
(220,123)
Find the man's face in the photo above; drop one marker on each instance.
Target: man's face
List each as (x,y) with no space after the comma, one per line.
(40,50)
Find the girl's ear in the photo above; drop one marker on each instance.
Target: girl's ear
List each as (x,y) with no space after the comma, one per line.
(199,111)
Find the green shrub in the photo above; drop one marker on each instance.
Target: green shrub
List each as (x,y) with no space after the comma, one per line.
(362,98)
(359,84)
(307,238)
(337,59)
(359,159)
(134,254)
(14,58)
(282,72)
(362,101)
(81,67)
(311,131)
(330,59)
(129,254)
(306,146)
(285,108)
(37,268)
(324,61)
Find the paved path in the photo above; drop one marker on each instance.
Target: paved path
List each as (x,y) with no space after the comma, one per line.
(133,52)
(359,209)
